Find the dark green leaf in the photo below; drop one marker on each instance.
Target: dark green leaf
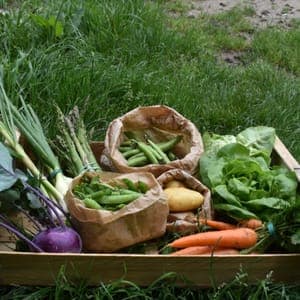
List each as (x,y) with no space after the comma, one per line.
(238,188)
(263,203)
(285,185)
(8,199)
(7,178)
(235,212)
(223,192)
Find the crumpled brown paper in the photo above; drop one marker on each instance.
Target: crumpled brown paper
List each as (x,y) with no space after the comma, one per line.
(186,222)
(190,182)
(160,123)
(107,231)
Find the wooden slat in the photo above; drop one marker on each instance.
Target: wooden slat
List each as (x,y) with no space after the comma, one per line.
(286,157)
(42,269)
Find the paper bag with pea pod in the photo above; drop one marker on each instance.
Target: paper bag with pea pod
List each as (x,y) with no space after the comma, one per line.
(186,221)
(152,139)
(108,231)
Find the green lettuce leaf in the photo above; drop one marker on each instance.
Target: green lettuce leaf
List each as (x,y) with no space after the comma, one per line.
(239,174)
(258,139)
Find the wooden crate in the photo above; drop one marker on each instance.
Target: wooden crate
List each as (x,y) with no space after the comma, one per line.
(21,268)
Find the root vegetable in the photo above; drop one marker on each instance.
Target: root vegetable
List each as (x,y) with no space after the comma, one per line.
(217,224)
(183,199)
(251,223)
(239,238)
(205,250)
(174,183)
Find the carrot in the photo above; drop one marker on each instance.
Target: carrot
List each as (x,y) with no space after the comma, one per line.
(196,250)
(217,224)
(224,251)
(238,238)
(251,223)
(204,250)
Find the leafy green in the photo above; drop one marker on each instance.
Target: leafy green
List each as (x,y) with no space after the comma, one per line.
(8,176)
(234,211)
(259,140)
(238,171)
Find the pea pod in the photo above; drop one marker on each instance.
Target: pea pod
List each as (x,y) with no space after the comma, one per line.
(131,152)
(129,183)
(148,152)
(138,161)
(163,155)
(119,199)
(169,145)
(142,186)
(90,203)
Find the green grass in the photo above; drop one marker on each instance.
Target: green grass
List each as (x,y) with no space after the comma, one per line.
(110,56)
(165,287)
(120,54)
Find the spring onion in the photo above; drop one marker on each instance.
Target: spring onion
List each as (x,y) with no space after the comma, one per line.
(11,120)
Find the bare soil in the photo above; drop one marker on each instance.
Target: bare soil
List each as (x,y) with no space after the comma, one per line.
(267,12)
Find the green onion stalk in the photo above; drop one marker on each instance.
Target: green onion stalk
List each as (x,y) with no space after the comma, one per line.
(28,124)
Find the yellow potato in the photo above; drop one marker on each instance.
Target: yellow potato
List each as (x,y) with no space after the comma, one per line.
(174,183)
(183,199)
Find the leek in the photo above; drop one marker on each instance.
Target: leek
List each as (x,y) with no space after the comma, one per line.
(29,125)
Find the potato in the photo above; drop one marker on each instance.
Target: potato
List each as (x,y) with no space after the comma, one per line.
(174,183)
(183,199)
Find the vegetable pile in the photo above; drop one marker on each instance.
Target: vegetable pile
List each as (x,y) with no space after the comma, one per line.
(180,198)
(98,195)
(56,237)
(256,204)
(140,152)
(238,171)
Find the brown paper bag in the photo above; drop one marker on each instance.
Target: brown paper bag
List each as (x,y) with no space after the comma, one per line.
(160,123)
(107,231)
(191,182)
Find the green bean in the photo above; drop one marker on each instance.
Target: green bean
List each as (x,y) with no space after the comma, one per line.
(90,203)
(131,152)
(168,145)
(172,156)
(163,155)
(155,153)
(142,186)
(126,143)
(138,161)
(124,148)
(130,184)
(148,152)
(140,154)
(119,199)
(125,191)
(99,194)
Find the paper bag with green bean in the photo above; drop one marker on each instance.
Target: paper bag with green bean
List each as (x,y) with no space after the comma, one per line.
(116,211)
(152,139)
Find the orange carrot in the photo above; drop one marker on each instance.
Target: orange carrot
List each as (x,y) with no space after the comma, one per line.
(216,224)
(204,250)
(251,223)
(238,238)
(196,250)
(224,251)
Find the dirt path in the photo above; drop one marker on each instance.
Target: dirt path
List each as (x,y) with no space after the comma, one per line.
(267,12)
